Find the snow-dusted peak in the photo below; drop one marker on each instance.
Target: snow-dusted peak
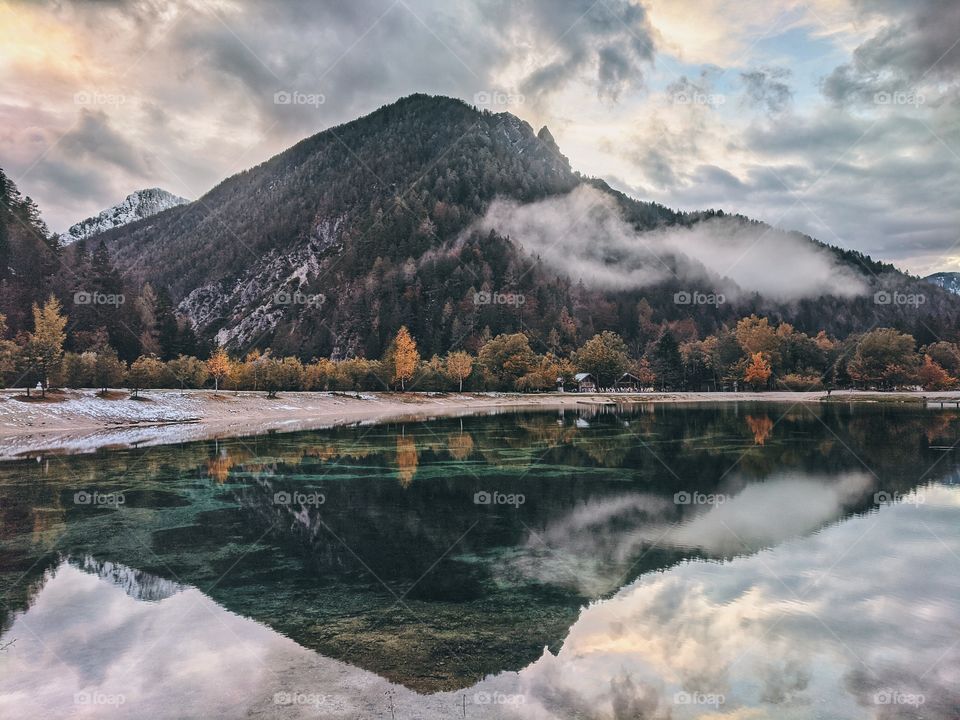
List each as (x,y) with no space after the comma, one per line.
(949,281)
(136,206)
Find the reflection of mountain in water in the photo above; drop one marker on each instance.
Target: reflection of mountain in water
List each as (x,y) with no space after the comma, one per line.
(137,584)
(400,572)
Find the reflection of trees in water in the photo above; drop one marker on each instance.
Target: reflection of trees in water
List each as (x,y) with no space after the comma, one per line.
(407,459)
(22,585)
(939,428)
(595,494)
(761,427)
(219,466)
(460,445)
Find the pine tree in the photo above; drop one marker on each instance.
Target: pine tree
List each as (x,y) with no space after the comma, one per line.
(665,361)
(147,310)
(168,336)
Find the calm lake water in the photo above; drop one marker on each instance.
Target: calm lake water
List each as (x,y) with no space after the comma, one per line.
(736,561)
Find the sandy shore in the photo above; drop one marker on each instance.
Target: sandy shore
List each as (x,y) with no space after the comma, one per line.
(80,421)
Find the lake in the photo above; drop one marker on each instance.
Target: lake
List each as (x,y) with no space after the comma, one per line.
(666,561)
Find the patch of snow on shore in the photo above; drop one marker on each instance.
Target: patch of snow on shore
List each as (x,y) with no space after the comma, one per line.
(98,410)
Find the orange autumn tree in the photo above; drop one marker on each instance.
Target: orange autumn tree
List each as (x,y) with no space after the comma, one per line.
(406,358)
(932,376)
(758,371)
(219,367)
(644,373)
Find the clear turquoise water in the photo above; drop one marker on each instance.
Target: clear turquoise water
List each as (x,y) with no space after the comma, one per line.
(698,561)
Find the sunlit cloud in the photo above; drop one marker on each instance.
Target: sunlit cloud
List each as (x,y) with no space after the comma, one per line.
(187,88)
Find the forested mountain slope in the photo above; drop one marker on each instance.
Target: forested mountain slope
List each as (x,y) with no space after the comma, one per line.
(327,248)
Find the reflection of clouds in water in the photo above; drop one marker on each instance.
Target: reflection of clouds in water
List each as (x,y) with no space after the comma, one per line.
(824,624)
(183,656)
(593,547)
(764,514)
(817,626)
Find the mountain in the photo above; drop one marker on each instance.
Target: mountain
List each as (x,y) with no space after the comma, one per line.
(429,213)
(136,206)
(949,281)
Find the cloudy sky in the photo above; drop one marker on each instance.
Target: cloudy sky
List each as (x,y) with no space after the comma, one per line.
(840,118)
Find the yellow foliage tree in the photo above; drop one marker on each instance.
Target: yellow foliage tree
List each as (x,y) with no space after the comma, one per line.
(758,371)
(459,366)
(219,367)
(45,344)
(406,358)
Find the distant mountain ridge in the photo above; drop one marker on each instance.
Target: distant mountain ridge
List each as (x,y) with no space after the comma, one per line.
(136,206)
(949,281)
(374,224)
(326,249)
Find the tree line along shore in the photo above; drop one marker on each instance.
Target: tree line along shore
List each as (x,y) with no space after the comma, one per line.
(752,355)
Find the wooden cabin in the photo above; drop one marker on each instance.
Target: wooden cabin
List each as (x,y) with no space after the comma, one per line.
(628,382)
(585,382)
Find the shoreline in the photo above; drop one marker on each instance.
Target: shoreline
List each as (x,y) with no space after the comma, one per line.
(79,421)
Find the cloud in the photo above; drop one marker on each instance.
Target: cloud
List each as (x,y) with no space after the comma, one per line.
(613,41)
(199,80)
(584,235)
(914,49)
(95,139)
(766,88)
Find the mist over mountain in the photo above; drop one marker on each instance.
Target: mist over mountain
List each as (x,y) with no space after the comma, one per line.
(428,212)
(584,235)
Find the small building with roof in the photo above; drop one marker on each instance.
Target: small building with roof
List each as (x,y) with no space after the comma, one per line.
(585,382)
